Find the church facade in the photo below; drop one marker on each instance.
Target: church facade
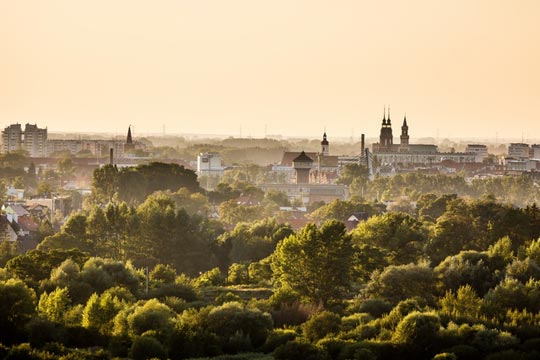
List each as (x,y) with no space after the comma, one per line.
(385,152)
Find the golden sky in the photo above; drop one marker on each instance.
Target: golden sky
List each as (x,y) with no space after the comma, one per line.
(462,68)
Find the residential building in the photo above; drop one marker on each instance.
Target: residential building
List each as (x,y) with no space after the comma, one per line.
(480,151)
(12,138)
(519,151)
(35,140)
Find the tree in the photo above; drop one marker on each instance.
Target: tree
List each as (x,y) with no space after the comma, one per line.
(17,307)
(322,324)
(54,305)
(399,233)
(315,262)
(397,283)
(341,210)
(104,183)
(464,304)
(418,330)
(100,311)
(232,318)
(352,172)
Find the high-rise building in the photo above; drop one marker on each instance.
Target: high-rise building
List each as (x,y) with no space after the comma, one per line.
(12,138)
(35,140)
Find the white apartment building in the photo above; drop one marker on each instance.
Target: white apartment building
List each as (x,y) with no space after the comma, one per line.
(519,151)
(480,151)
(209,164)
(12,138)
(535,151)
(35,140)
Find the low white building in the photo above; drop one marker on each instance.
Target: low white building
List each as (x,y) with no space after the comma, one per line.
(480,151)
(209,164)
(535,151)
(519,151)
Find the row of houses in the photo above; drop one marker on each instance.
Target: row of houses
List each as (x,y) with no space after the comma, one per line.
(20,223)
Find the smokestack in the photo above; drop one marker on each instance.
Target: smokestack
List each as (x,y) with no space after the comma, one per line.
(111,162)
(363,144)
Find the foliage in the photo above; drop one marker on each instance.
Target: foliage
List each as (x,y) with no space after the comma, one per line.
(316,262)
(321,325)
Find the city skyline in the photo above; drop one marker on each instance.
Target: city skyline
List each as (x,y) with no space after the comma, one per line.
(459,69)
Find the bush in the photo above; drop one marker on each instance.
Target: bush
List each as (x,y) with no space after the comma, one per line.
(210,278)
(182,291)
(445,356)
(374,307)
(321,325)
(277,338)
(227,320)
(163,274)
(294,314)
(351,322)
(299,350)
(417,329)
(238,274)
(146,347)
(227,297)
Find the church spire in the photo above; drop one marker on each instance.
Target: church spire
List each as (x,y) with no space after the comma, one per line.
(388,120)
(325,146)
(384,116)
(129,139)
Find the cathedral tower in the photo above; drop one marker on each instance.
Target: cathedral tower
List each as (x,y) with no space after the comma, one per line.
(325,146)
(386,139)
(404,146)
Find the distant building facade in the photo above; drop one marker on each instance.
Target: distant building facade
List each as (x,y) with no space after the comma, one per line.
(480,151)
(35,140)
(519,151)
(209,164)
(12,138)
(386,153)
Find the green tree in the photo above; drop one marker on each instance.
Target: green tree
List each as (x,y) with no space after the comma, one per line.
(53,306)
(418,330)
(315,262)
(397,283)
(321,325)
(100,311)
(352,172)
(232,318)
(398,233)
(17,307)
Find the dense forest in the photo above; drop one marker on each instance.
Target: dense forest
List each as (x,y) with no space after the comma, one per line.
(150,273)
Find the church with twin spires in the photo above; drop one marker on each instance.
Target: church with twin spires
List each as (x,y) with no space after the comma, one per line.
(404,153)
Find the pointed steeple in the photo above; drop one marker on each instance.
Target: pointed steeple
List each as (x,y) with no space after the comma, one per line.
(388,122)
(325,146)
(384,116)
(405,120)
(129,139)
(324,140)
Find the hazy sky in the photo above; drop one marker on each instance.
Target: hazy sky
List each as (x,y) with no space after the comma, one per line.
(459,67)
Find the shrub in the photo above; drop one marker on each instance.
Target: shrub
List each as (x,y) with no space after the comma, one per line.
(227,297)
(445,356)
(417,329)
(146,347)
(299,350)
(374,307)
(294,314)
(227,320)
(210,278)
(321,325)
(277,338)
